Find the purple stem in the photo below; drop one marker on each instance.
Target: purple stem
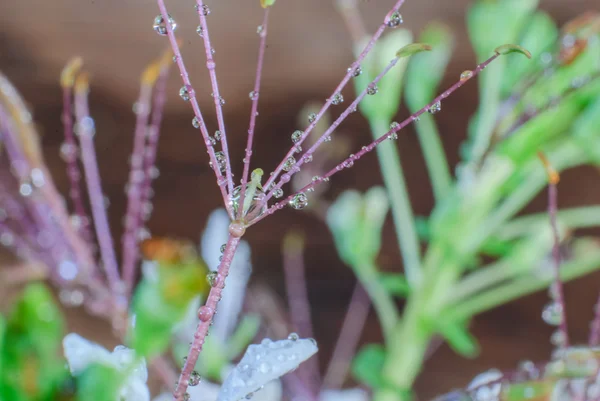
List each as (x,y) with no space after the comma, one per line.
(211,66)
(560,296)
(211,303)
(221,181)
(134,191)
(92,177)
(294,270)
(338,89)
(254,111)
(72,168)
(324,137)
(349,162)
(356,316)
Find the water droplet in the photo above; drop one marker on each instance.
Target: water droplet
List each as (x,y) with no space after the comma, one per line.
(71,298)
(253,95)
(222,249)
(372,89)
(204,10)
(221,161)
(278,193)
(194,378)
(395,20)
(558,338)
(349,162)
(552,313)
(308,158)
(37,177)
(293,337)
(186,397)
(211,278)
(327,138)
(260,29)
(175,59)
(259,195)
(184,93)
(289,163)
(435,108)
(264,367)
(25,189)
(195,122)
(316,178)
(205,313)
(338,98)
(296,136)
(312,117)
(200,31)
(466,75)
(160,25)
(299,201)
(68,152)
(221,101)
(212,51)
(355,72)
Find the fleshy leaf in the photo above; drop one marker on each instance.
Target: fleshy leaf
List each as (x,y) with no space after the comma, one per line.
(395,283)
(412,49)
(459,338)
(99,382)
(368,364)
(263,363)
(509,48)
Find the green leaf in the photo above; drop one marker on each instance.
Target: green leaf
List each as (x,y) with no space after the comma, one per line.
(243,335)
(356,222)
(539,35)
(395,283)
(412,49)
(99,383)
(458,337)
(266,3)
(510,48)
(368,364)
(586,131)
(424,74)
(531,390)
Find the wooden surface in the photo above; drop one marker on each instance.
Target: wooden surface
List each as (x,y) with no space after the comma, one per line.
(308,53)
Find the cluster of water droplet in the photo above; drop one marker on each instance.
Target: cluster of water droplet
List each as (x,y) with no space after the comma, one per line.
(259,196)
(160,25)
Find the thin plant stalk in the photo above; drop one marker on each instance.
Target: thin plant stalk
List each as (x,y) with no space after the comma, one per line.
(210,308)
(347,342)
(402,214)
(86,132)
(73,172)
(221,181)
(143,155)
(203,11)
(349,162)
(255,94)
(294,270)
(339,88)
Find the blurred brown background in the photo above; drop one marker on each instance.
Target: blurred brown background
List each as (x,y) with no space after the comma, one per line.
(308,51)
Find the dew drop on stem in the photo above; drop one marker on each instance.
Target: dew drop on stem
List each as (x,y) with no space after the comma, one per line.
(395,20)
(299,201)
(435,108)
(552,313)
(184,93)
(372,89)
(289,163)
(194,378)
(160,25)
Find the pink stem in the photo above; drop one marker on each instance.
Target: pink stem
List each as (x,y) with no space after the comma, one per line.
(211,304)
(72,168)
(134,190)
(338,89)
(254,111)
(92,177)
(560,296)
(294,270)
(356,316)
(211,66)
(349,162)
(309,153)
(221,181)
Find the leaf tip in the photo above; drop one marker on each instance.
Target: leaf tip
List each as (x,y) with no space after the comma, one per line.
(510,48)
(412,49)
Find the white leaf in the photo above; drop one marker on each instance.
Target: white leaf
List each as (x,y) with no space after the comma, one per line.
(351,394)
(81,353)
(263,363)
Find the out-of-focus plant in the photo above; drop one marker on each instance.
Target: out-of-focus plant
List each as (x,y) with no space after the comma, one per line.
(529,109)
(551,114)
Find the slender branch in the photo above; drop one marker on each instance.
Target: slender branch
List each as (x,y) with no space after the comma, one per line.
(221,181)
(86,132)
(294,270)
(70,157)
(211,305)
(338,89)
(349,162)
(142,160)
(308,155)
(254,112)
(345,347)
(211,66)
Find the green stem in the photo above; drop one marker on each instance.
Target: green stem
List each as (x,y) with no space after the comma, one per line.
(435,157)
(578,217)
(519,288)
(383,303)
(404,221)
